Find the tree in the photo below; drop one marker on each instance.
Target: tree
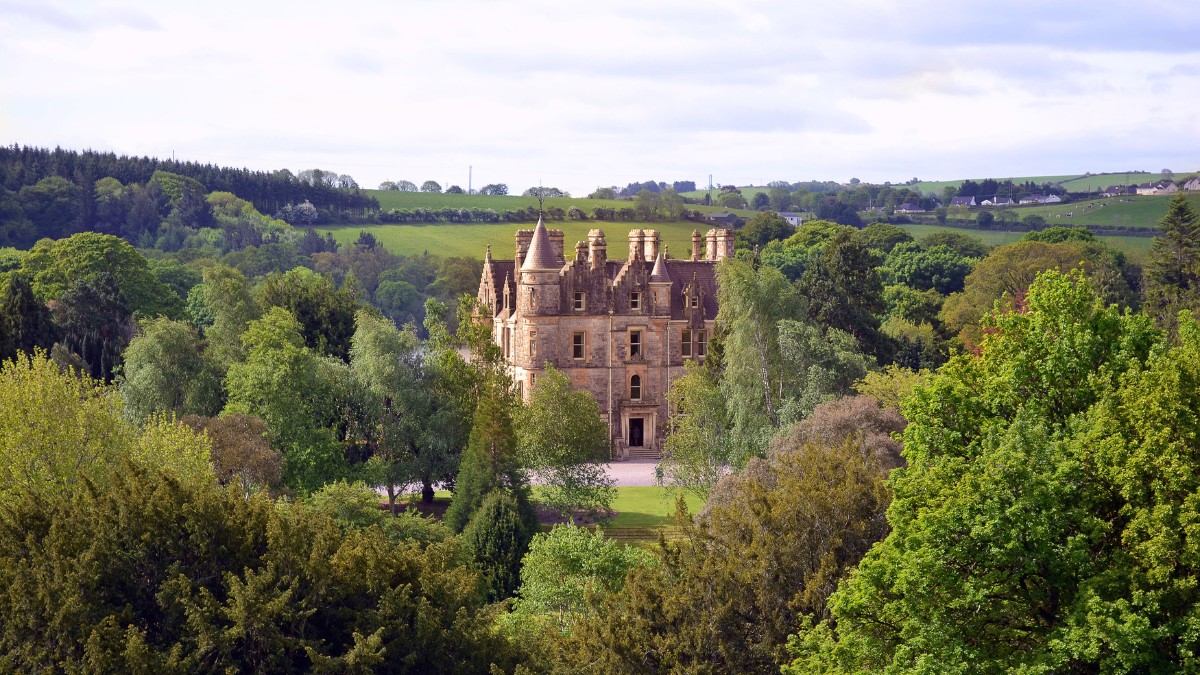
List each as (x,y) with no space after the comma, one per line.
(490,462)
(985,219)
(497,537)
(53,206)
(25,322)
(431,186)
(760,201)
(603,193)
(54,266)
(241,452)
(163,575)
(1018,536)
(223,306)
(96,323)
(562,570)
(59,430)
(1173,269)
(764,228)
(165,373)
(771,546)
(326,313)
(293,391)
(883,237)
(845,292)
(962,244)
(563,440)
(939,268)
(699,447)
(494,189)
(408,425)
(752,302)
(1008,270)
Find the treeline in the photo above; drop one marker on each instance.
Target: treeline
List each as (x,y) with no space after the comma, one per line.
(333,195)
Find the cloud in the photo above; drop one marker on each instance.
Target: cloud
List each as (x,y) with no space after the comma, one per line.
(50,14)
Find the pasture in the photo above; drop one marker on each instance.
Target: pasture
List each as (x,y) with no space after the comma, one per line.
(1134,247)
(392,199)
(470,240)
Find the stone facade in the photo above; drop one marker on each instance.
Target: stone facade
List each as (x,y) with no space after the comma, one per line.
(621,329)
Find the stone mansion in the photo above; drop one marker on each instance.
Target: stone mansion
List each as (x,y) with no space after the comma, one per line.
(621,329)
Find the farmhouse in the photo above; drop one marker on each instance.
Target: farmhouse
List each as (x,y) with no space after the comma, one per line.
(621,329)
(725,219)
(962,201)
(792,218)
(1192,185)
(909,207)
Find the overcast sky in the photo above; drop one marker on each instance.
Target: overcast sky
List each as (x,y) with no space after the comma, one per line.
(581,94)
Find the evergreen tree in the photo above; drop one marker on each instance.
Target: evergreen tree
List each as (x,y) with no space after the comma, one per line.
(25,322)
(490,462)
(1173,270)
(497,537)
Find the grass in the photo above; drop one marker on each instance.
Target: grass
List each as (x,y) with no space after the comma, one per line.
(649,507)
(1134,247)
(392,199)
(470,240)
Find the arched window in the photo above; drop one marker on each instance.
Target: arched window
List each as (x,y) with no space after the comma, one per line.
(635,387)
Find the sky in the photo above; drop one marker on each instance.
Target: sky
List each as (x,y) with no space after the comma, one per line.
(577,95)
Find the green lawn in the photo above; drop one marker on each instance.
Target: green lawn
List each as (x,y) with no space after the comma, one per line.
(649,506)
(451,239)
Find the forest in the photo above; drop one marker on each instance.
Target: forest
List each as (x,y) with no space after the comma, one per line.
(220,436)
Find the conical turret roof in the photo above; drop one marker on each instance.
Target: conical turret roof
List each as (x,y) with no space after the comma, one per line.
(541,252)
(659,273)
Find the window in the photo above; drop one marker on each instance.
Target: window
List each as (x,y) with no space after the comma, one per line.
(694,301)
(578,341)
(580,301)
(532,299)
(635,344)
(635,388)
(532,381)
(533,345)
(701,342)
(635,300)
(685,343)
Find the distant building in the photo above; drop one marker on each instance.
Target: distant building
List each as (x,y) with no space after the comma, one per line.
(909,207)
(620,329)
(723,219)
(964,202)
(1192,185)
(792,218)
(1003,201)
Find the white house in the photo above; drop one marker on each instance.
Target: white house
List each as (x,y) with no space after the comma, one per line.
(791,217)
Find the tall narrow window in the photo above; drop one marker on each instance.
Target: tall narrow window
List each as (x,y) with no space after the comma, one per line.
(635,300)
(533,345)
(635,388)
(701,343)
(578,340)
(580,301)
(532,300)
(532,381)
(685,343)
(635,344)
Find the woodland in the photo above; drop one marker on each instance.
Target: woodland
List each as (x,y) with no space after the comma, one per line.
(222,438)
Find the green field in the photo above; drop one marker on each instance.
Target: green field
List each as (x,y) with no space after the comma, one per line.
(1134,247)
(1076,183)
(452,239)
(1127,211)
(392,199)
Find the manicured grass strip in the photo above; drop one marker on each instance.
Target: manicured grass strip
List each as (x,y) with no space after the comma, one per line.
(648,507)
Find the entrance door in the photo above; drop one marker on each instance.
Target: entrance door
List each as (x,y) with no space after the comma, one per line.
(635,432)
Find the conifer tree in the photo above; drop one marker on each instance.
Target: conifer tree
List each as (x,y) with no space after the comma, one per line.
(1173,271)
(490,462)
(497,537)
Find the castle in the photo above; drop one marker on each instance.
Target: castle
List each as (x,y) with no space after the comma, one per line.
(621,329)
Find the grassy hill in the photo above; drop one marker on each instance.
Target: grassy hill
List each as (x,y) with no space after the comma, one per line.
(1134,247)
(450,239)
(392,199)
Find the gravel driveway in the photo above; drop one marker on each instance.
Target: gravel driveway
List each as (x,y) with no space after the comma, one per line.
(633,473)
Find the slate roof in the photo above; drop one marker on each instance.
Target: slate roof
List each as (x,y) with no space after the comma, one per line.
(541,252)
